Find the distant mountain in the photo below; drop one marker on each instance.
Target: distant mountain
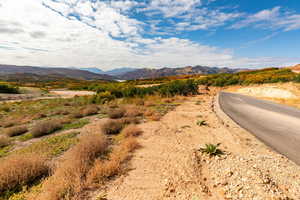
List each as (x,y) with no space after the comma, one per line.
(9,70)
(155,73)
(93,70)
(119,71)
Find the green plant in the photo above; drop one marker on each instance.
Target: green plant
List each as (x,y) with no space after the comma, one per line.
(198,102)
(75,125)
(201,123)
(211,149)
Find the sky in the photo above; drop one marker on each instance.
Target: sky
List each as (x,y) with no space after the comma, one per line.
(155,33)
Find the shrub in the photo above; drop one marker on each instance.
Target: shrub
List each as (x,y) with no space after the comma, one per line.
(116,113)
(105,169)
(111,127)
(68,179)
(201,123)
(155,116)
(39,116)
(8,89)
(90,110)
(132,131)
(133,112)
(18,170)
(211,149)
(76,115)
(46,127)
(8,123)
(15,131)
(130,120)
(4,141)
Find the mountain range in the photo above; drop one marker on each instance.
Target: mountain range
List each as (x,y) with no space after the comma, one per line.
(114,72)
(8,72)
(12,71)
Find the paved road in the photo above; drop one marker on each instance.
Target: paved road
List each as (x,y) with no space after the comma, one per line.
(276,125)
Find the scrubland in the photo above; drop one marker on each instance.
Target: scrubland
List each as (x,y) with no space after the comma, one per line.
(65,148)
(159,141)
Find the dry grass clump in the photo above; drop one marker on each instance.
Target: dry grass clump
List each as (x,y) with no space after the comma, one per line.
(61,112)
(90,110)
(15,131)
(46,127)
(152,115)
(155,117)
(133,112)
(130,120)
(112,126)
(116,113)
(104,169)
(132,131)
(39,116)
(76,115)
(8,123)
(4,141)
(19,170)
(68,179)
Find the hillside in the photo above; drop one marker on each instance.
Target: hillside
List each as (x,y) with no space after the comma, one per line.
(20,71)
(295,68)
(155,73)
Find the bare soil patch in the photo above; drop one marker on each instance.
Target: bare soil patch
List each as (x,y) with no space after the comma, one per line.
(169,165)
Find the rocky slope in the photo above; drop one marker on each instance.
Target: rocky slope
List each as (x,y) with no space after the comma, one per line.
(155,73)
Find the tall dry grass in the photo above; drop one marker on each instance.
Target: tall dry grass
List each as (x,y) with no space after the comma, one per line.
(18,170)
(112,126)
(68,179)
(16,130)
(46,127)
(4,141)
(132,131)
(104,169)
(116,113)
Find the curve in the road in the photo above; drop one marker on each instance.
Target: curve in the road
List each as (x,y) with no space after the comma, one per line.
(276,125)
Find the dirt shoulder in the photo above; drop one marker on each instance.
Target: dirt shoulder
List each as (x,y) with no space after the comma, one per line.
(169,165)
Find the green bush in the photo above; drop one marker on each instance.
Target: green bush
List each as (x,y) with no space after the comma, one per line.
(8,89)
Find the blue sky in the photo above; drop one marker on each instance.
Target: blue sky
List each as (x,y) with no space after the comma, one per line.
(154,33)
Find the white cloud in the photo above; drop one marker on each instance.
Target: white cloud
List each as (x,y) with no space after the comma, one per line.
(172,8)
(275,18)
(44,37)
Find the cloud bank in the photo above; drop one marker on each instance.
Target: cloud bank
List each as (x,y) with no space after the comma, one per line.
(110,34)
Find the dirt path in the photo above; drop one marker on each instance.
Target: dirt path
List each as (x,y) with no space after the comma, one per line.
(169,167)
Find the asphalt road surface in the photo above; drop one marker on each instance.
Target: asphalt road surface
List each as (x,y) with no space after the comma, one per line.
(276,125)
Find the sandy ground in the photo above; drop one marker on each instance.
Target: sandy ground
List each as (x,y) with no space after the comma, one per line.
(169,165)
(70,93)
(268,91)
(37,96)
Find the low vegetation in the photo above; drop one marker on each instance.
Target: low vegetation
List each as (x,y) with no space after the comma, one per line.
(51,146)
(132,131)
(15,131)
(90,110)
(112,126)
(212,149)
(5,88)
(201,123)
(4,141)
(20,170)
(45,127)
(104,169)
(68,178)
(116,113)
